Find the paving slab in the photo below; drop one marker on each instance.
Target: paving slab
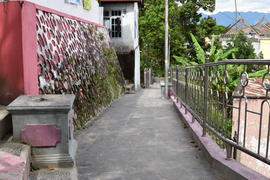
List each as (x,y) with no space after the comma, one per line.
(55,174)
(140,137)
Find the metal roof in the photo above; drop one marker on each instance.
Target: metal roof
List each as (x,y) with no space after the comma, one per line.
(261,28)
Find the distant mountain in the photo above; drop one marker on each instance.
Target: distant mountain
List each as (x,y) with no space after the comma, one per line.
(227,18)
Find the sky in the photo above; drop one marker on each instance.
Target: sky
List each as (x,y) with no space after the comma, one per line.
(242,5)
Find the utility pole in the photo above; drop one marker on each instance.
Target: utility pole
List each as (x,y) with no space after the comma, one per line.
(236,13)
(167,60)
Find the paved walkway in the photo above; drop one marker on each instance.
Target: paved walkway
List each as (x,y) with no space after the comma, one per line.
(140,137)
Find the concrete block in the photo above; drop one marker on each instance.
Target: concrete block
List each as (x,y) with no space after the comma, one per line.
(37,120)
(14,161)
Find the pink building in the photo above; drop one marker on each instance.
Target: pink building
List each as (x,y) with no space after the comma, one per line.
(19,25)
(255,137)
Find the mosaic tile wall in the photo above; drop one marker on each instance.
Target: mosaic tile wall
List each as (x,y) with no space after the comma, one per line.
(76,57)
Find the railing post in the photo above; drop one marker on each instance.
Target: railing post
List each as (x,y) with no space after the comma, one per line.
(228,151)
(205,80)
(186,88)
(177,100)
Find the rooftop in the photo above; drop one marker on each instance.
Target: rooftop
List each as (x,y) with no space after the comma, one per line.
(253,89)
(262,28)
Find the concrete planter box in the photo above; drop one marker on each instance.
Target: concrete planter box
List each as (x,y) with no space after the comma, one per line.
(46,123)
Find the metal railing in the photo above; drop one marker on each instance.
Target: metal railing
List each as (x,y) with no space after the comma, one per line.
(230,99)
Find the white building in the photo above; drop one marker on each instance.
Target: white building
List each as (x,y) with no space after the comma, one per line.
(75,8)
(121,18)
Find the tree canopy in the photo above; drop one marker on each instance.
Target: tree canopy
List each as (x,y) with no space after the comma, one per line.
(244,46)
(184,19)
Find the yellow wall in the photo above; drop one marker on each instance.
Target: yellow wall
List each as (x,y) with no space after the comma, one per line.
(265,48)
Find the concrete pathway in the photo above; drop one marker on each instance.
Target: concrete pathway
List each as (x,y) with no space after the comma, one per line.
(140,137)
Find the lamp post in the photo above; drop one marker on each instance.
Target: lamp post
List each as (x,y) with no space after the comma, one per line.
(167,60)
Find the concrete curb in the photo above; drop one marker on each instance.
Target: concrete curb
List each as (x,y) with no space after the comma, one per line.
(226,169)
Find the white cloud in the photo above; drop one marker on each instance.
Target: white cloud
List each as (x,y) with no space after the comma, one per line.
(242,5)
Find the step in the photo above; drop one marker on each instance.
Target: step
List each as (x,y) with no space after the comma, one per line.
(5,123)
(14,161)
(55,173)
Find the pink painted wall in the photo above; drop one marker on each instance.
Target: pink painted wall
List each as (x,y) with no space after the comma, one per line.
(18,57)
(18,48)
(29,45)
(11,66)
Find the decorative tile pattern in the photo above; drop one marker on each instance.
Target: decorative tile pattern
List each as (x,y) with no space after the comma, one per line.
(76,57)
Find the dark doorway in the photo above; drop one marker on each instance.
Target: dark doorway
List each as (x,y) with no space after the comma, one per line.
(127,63)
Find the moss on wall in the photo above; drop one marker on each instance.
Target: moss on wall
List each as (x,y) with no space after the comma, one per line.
(82,62)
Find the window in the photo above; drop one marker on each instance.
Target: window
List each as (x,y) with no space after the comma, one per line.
(116,23)
(116,13)
(113,21)
(116,27)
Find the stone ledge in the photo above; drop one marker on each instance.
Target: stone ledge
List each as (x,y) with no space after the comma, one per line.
(14,161)
(215,155)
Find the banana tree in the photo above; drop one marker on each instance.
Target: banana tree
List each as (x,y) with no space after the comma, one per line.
(214,56)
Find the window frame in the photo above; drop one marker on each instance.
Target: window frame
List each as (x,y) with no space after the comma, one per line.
(116,27)
(110,19)
(76,2)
